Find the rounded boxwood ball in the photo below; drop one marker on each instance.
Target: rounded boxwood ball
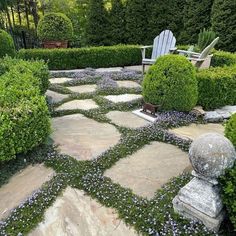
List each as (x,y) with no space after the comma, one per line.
(55,27)
(171,83)
(6,44)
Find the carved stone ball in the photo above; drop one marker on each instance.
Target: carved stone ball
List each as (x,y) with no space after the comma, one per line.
(211,154)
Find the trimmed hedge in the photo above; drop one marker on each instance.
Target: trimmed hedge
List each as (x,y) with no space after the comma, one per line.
(221,58)
(38,69)
(230,129)
(76,58)
(217,87)
(6,44)
(24,116)
(171,83)
(55,26)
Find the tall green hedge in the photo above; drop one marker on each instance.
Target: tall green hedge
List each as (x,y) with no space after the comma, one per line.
(95,57)
(196,17)
(217,87)
(223,23)
(24,116)
(6,44)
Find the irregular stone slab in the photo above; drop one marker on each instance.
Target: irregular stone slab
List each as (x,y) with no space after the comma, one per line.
(144,116)
(83,138)
(21,186)
(213,116)
(74,213)
(86,104)
(195,130)
(137,68)
(88,88)
(112,69)
(128,84)
(60,80)
(55,97)
(148,169)
(126,119)
(230,109)
(123,97)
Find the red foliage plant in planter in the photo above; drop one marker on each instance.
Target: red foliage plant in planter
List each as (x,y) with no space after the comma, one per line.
(55,30)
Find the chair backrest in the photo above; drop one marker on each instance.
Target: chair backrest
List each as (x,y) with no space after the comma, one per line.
(208,49)
(163,43)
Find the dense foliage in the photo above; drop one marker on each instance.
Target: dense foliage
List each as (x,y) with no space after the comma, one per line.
(95,57)
(217,87)
(24,113)
(196,17)
(6,44)
(171,83)
(223,23)
(205,38)
(55,26)
(230,129)
(221,58)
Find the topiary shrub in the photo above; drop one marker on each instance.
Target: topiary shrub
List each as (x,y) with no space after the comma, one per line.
(6,44)
(24,116)
(55,27)
(216,87)
(221,58)
(171,82)
(230,129)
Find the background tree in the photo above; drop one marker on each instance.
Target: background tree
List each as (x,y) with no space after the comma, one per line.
(224,23)
(197,16)
(136,21)
(97,24)
(117,22)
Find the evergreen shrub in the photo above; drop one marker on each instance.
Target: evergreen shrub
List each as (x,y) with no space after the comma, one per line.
(55,27)
(6,44)
(171,83)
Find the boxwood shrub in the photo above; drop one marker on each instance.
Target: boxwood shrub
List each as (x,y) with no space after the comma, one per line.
(55,27)
(230,129)
(24,116)
(76,58)
(38,69)
(6,44)
(217,87)
(171,83)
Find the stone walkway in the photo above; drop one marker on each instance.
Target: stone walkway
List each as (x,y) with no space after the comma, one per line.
(21,186)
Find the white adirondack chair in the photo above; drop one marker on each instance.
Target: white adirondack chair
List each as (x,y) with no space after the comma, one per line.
(203,59)
(163,44)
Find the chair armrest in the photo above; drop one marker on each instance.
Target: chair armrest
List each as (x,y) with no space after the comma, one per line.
(195,59)
(188,52)
(173,49)
(143,50)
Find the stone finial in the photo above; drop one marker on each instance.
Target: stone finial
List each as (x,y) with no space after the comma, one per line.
(210,155)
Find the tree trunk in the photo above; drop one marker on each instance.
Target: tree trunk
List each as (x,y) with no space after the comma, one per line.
(35,13)
(27,14)
(9,19)
(18,12)
(13,17)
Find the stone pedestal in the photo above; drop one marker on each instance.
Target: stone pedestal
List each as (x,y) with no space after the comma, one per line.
(200,200)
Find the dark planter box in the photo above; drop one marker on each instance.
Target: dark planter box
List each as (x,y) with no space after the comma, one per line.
(55,44)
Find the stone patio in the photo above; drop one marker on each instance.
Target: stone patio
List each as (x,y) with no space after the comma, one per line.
(86,104)
(148,169)
(126,119)
(89,88)
(56,97)
(21,186)
(195,130)
(83,138)
(59,80)
(76,214)
(128,84)
(123,97)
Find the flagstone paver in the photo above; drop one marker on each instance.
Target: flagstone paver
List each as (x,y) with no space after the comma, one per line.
(126,119)
(86,104)
(88,88)
(21,186)
(149,168)
(56,97)
(74,213)
(83,138)
(111,69)
(123,97)
(195,130)
(60,80)
(128,84)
